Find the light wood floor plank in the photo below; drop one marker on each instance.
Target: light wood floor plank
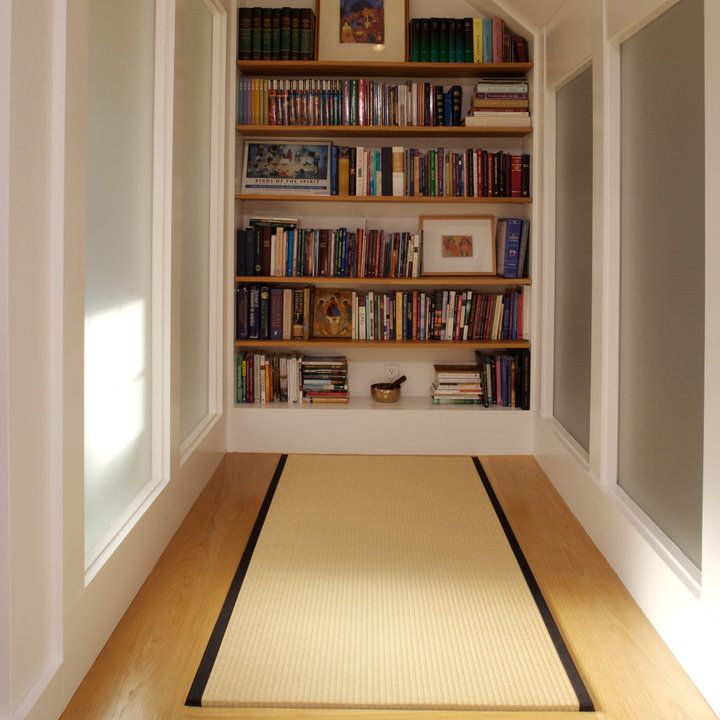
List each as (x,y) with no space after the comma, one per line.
(629,671)
(147,666)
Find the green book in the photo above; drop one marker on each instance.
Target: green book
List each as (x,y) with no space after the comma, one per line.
(443,40)
(285,33)
(275,35)
(434,39)
(424,40)
(415,40)
(433,186)
(451,40)
(266,38)
(467,24)
(306,34)
(295,34)
(244,33)
(257,33)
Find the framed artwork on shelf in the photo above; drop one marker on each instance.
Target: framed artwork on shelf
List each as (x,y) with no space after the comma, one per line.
(332,313)
(286,166)
(362,30)
(458,245)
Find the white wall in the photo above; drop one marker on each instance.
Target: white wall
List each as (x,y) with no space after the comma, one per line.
(677,600)
(56,617)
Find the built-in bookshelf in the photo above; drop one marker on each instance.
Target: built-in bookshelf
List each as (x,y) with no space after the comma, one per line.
(366,356)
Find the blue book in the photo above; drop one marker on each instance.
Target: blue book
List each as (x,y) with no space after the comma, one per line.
(254,312)
(512,247)
(447,108)
(249,250)
(487,40)
(290,252)
(241,312)
(334,157)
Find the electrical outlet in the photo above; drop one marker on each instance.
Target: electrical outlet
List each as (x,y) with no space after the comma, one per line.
(392,370)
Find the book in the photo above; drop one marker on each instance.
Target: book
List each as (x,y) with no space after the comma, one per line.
(285,33)
(398,171)
(468,41)
(477,40)
(295,33)
(275,34)
(276,313)
(513,230)
(256,47)
(244,38)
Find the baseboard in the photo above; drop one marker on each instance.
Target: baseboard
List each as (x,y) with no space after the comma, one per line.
(679,616)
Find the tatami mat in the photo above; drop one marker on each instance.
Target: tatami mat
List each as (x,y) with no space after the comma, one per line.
(386,582)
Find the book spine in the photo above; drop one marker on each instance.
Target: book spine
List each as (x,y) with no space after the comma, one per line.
(487,40)
(434,40)
(525,176)
(398,171)
(245,33)
(297,314)
(256,53)
(522,254)
(415,40)
(241,312)
(254,312)
(512,246)
(443,39)
(276,314)
(240,256)
(386,169)
(275,35)
(468,40)
(266,34)
(306,34)
(295,34)
(424,52)
(264,312)
(497,39)
(285,33)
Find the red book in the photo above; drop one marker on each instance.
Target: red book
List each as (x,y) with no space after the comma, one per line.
(498,27)
(515,175)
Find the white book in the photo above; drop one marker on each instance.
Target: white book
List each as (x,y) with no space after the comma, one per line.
(362,330)
(360,172)
(287,313)
(508,120)
(371,310)
(450,314)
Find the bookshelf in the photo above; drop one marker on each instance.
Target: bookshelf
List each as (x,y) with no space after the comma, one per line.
(393,213)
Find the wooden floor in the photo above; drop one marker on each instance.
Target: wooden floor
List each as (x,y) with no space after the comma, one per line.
(148,664)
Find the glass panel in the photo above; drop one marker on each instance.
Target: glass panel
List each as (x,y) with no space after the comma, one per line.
(573,256)
(118,260)
(193,102)
(662,295)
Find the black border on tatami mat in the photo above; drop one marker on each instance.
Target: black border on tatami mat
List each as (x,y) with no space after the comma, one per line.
(194,698)
(584,702)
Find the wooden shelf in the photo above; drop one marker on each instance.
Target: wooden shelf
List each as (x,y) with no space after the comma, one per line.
(435,281)
(311,68)
(409,131)
(344,342)
(297,197)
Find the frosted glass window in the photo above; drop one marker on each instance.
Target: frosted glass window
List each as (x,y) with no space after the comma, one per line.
(573,256)
(662,294)
(193,142)
(118,260)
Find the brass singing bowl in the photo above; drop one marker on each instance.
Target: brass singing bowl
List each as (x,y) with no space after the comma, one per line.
(384,392)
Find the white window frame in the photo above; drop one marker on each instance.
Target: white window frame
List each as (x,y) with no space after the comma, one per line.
(161,246)
(215,233)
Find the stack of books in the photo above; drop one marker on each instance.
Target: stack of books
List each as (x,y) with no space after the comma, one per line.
(325,379)
(500,102)
(457,385)
(276,33)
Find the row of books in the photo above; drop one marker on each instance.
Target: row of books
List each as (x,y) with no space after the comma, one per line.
(469,40)
(431,172)
(505,378)
(361,102)
(499,378)
(289,251)
(287,377)
(275,33)
(275,313)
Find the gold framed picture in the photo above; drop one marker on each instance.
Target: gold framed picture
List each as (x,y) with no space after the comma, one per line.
(332,313)
(362,30)
(458,244)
